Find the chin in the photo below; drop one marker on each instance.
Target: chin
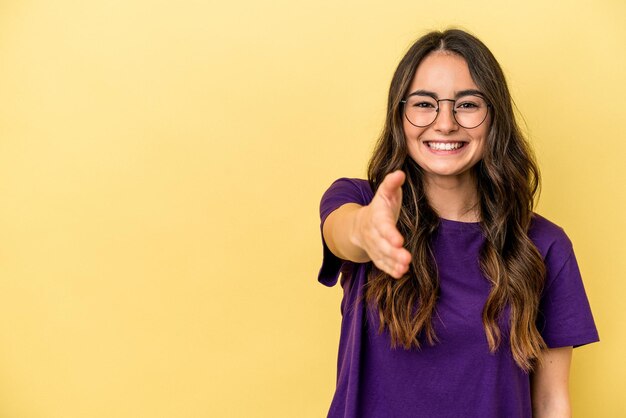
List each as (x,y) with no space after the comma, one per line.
(446,171)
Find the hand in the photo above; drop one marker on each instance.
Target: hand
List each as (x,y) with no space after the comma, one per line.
(375,228)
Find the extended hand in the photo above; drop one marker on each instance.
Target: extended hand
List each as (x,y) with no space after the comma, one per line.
(376,231)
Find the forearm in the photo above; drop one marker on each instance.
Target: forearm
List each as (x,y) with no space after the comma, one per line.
(340,233)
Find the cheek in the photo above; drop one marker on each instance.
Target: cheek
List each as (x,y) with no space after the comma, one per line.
(482,145)
(481,150)
(412,137)
(411,133)
(406,127)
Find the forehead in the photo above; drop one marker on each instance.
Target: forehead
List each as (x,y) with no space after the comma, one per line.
(444,73)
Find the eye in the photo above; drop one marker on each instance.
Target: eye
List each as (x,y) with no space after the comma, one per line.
(423,104)
(468,105)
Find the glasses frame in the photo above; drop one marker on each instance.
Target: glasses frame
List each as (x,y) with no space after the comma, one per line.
(403,102)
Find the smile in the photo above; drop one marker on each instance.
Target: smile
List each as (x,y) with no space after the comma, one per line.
(445,146)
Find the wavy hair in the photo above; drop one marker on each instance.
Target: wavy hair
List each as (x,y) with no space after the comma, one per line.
(506,173)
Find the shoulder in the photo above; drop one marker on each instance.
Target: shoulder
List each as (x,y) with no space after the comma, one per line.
(349,190)
(564,317)
(549,238)
(553,244)
(342,191)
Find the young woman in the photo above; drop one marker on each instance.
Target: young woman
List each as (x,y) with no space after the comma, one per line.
(459,300)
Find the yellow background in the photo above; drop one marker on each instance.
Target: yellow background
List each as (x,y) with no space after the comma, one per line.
(161,165)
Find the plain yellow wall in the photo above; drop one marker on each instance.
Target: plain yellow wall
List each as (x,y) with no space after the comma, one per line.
(161,165)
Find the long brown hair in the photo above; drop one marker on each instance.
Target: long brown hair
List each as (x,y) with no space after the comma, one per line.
(507,180)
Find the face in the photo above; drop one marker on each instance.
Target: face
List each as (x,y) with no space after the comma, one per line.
(444,149)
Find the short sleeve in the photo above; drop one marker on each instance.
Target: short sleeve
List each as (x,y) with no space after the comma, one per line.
(565,317)
(342,191)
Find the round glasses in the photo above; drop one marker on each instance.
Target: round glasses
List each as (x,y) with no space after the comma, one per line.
(469,111)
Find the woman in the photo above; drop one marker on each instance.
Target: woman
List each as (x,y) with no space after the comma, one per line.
(459,300)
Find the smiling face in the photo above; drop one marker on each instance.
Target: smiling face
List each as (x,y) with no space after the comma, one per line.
(444,149)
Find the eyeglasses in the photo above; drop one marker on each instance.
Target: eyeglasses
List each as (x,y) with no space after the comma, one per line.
(469,111)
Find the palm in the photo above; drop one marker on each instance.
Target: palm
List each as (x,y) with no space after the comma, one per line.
(380,237)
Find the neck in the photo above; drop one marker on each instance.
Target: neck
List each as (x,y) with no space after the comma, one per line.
(454,197)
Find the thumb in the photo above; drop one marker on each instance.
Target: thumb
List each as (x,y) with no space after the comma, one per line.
(391,190)
(392,183)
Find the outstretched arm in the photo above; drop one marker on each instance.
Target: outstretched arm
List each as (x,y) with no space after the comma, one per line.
(363,233)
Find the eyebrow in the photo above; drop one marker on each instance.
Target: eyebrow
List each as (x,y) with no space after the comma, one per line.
(472,92)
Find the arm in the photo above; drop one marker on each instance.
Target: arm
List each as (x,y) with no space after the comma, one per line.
(550,384)
(339,230)
(363,233)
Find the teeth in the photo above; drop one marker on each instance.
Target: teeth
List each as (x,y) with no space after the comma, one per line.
(445,146)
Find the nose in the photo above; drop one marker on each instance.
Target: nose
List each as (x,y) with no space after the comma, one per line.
(445,122)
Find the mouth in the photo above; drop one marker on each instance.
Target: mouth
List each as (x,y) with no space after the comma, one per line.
(445,146)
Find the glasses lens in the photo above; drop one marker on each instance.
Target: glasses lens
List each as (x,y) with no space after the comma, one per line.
(421,111)
(470,111)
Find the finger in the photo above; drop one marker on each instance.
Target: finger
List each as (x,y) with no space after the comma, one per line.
(393,257)
(402,257)
(390,233)
(389,195)
(395,178)
(396,260)
(401,267)
(392,183)
(395,270)
(398,271)
(399,262)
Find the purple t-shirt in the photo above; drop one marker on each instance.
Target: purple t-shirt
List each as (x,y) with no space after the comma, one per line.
(457,377)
